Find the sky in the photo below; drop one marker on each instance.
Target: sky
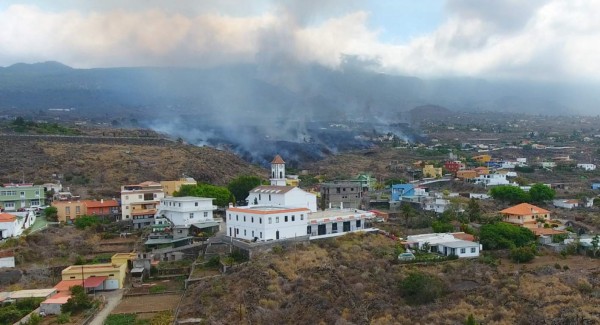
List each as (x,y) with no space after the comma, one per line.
(545,40)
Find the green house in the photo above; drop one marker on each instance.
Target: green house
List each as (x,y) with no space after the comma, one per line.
(19,196)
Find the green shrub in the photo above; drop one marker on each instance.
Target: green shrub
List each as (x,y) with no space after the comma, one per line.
(501,235)
(157,289)
(213,261)
(63,318)
(421,288)
(522,254)
(557,266)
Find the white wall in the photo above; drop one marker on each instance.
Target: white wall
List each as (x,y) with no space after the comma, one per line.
(179,210)
(7,261)
(261,223)
(129,197)
(295,198)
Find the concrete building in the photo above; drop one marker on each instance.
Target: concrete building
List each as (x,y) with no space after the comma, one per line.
(341,194)
(264,223)
(67,211)
(587,167)
(106,276)
(336,222)
(14,197)
(170,187)
(139,203)
(566,204)
(445,244)
(492,180)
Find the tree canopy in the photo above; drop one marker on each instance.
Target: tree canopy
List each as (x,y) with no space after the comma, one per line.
(221,194)
(241,185)
(501,235)
(540,192)
(510,194)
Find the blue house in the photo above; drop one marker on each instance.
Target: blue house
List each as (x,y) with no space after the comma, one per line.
(401,190)
(595,186)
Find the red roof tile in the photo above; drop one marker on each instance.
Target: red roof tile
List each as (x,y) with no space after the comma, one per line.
(100,204)
(524,209)
(277,160)
(7,217)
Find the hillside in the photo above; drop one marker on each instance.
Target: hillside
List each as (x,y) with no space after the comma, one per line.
(99,166)
(355,280)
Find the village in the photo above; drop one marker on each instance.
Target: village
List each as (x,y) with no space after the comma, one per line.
(173,233)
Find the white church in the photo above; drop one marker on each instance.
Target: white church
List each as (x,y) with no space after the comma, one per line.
(277,212)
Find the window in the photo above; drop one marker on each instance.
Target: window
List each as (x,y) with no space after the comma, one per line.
(37,192)
(72,277)
(259,197)
(276,219)
(308,230)
(293,218)
(473,249)
(357,223)
(139,196)
(237,218)
(205,214)
(463,250)
(67,210)
(269,197)
(22,194)
(244,218)
(196,203)
(270,220)
(9,204)
(230,216)
(301,217)
(237,231)
(180,205)
(334,227)
(252,220)
(261,234)
(252,233)
(285,219)
(244,232)
(191,215)
(77,210)
(259,220)
(111,275)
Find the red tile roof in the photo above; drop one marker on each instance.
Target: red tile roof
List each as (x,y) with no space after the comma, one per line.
(66,285)
(7,217)
(267,211)
(94,281)
(277,160)
(524,209)
(7,253)
(100,204)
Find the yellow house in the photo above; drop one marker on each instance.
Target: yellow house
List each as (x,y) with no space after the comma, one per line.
(69,210)
(430,171)
(120,258)
(482,158)
(106,276)
(171,186)
(525,214)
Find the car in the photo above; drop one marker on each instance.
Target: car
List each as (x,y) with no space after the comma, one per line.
(406,257)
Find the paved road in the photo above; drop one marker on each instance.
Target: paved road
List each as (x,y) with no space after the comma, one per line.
(113,298)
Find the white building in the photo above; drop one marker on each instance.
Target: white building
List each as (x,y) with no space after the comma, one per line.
(437,205)
(492,180)
(139,201)
(279,195)
(566,204)
(264,223)
(588,167)
(13,225)
(337,222)
(445,244)
(188,210)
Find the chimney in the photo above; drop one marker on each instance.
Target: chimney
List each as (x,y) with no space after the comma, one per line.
(101,200)
(230,205)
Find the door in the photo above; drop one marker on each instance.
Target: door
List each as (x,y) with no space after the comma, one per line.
(277,234)
(111,284)
(334,228)
(346,226)
(322,230)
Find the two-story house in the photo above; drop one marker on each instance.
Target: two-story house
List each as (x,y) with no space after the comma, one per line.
(139,203)
(14,197)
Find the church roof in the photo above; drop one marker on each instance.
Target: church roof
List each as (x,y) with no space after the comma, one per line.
(272,189)
(277,160)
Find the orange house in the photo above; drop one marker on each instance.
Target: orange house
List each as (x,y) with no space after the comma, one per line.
(101,208)
(525,214)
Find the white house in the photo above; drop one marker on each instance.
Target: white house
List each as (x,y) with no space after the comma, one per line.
(548,164)
(492,180)
(139,201)
(279,195)
(13,225)
(445,244)
(264,223)
(436,205)
(588,167)
(566,204)
(184,211)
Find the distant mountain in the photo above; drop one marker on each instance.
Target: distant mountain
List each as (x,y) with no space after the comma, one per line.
(41,68)
(242,106)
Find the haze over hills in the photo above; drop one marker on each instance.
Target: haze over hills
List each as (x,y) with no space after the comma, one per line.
(289,106)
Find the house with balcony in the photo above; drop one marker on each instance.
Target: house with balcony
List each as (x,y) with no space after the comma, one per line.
(139,202)
(15,197)
(531,217)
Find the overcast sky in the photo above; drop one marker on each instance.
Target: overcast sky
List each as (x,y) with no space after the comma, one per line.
(538,39)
